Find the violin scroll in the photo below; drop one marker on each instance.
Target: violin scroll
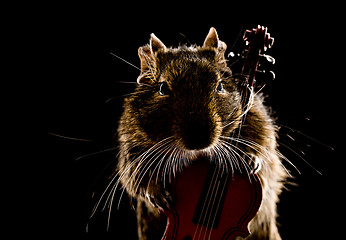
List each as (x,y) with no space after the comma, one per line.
(259,36)
(258,40)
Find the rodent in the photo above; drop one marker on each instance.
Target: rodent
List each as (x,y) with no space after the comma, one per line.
(187,105)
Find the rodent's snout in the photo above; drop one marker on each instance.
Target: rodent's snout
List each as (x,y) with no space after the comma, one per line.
(197,123)
(197,136)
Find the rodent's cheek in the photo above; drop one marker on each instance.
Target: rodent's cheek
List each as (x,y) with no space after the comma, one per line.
(228,107)
(159,97)
(175,129)
(155,119)
(218,126)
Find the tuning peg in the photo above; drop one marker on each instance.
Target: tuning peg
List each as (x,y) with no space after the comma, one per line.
(248,35)
(269,41)
(273,75)
(269,58)
(265,76)
(233,54)
(259,33)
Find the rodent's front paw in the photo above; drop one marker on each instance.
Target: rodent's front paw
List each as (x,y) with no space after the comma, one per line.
(161,199)
(255,164)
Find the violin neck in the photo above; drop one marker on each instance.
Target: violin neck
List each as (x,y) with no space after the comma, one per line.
(251,64)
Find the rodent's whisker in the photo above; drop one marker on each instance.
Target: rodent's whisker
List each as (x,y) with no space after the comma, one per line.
(265,153)
(240,75)
(125,61)
(101,197)
(224,158)
(156,151)
(162,151)
(128,82)
(234,154)
(109,200)
(95,153)
(113,189)
(297,154)
(306,136)
(135,83)
(151,69)
(125,95)
(164,158)
(169,168)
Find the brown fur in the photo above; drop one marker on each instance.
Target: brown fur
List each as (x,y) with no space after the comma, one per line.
(179,112)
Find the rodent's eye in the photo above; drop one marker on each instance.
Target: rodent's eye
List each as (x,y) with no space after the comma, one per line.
(164,89)
(219,87)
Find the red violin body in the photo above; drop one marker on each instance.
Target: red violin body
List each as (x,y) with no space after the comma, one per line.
(219,208)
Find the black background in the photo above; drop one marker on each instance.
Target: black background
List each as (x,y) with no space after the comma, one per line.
(84,96)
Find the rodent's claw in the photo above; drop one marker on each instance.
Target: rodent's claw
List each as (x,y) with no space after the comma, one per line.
(166,200)
(152,201)
(162,201)
(256,165)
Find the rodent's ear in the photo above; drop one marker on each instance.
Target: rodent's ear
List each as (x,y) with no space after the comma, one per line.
(212,40)
(147,56)
(147,59)
(156,44)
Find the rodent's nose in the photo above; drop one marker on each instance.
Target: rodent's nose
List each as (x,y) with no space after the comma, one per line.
(197,135)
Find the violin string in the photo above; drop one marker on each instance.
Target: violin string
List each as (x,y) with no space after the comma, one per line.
(215,203)
(210,216)
(209,202)
(199,222)
(211,199)
(212,194)
(223,155)
(218,205)
(204,207)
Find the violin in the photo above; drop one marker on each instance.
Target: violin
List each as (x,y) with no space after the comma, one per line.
(219,208)
(257,39)
(211,202)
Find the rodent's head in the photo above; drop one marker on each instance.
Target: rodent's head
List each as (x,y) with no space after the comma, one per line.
(186,94)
